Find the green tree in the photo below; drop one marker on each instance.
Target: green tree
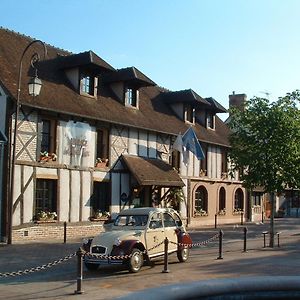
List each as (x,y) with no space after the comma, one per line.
(265,140)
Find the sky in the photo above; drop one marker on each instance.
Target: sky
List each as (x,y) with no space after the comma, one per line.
(214,47)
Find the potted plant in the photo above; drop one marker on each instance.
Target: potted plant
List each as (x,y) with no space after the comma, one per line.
(101,162)
(98,214)
(45,216)
(200,213)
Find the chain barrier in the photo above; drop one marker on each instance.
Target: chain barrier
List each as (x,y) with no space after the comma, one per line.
(39,268)
(117,257)
(216,236)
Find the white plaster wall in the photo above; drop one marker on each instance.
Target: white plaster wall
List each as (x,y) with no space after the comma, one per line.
(143,143)
(64,193)
(219,162)
(40,172)
(115,193)
(152,145)
(209,162)
(28,195)
(133,142)
(86,195)
(100,176)
(213,158)
(75,196)
(16,192)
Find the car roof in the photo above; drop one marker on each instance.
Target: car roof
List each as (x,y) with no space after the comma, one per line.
(144,210)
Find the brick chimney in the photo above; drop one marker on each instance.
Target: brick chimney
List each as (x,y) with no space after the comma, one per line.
(237,100)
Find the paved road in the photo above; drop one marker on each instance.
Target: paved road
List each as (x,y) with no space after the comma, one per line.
(59,282)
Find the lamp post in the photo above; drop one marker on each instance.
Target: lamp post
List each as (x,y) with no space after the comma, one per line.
(34,86)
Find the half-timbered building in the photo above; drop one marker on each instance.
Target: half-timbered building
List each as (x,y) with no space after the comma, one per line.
(99,139)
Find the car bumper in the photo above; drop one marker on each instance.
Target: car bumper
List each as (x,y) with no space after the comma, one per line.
(103,261)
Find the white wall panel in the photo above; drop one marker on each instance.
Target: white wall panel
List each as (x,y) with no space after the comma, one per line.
(143,143)
(64,193)
(86,195)
(75,196)
(133,142)
(152,145)
(28,194)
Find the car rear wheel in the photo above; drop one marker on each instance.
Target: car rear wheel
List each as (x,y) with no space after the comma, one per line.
(91,267)
(135,262)
(183,254)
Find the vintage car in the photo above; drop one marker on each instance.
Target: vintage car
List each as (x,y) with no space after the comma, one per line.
(136,235)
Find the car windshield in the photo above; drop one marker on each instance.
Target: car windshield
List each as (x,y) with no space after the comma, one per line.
(131,220)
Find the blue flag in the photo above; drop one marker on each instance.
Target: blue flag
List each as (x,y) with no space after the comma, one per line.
(191,143)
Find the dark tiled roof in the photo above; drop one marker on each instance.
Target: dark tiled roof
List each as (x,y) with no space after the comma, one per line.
(185,96)
(152,171)
(88,58)
(130,74)
(215,105)
(59,96)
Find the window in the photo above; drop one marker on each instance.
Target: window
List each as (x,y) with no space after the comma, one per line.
(156,221)
(203,162)
(47,136)
(101,199)
(131,97)
(222,199)
(224,162)
(175,159)
(169,221)
(257,198)
(210,120)
(201,200)
(46,195)
(189,112)
(88,85)
(102,144)
(239,200)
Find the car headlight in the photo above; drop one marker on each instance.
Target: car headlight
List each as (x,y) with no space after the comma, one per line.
(117,242)
(86,241)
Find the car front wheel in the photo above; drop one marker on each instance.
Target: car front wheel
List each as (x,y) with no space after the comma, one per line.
(183,254)
(135,261)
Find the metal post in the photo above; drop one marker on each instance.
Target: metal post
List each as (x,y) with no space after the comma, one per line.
(278,233)
(216,220)
(220,244)
(262,216)
(264,233)
(65,232)
(79,254)
(242,218)
(245,239)
(165,270)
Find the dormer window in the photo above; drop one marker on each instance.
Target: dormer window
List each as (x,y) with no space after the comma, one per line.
(131,97)
(210,120)
(189,113)
(88,85)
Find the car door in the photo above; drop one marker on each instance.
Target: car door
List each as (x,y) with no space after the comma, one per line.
(170,231)
(155,235)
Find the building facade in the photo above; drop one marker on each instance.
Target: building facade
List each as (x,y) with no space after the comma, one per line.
(98,140)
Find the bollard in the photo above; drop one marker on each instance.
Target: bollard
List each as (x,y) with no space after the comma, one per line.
(220,244)
(165,270)
(245,239)
(264,233)
(216,220)
(262,216)
(278,233)
(65,232)
(242,218)
(79,254)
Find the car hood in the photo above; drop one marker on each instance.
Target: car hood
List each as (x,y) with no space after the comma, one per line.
(108,238)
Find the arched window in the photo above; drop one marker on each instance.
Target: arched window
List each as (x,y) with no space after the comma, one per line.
(239,199)
(222,199)
(201,200)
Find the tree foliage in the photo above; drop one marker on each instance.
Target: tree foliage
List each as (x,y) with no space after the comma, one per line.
(265,142)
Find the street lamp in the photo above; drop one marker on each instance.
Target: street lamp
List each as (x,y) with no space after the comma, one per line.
(34,87)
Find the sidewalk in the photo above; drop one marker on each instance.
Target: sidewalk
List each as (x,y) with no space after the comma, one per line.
(59,282)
